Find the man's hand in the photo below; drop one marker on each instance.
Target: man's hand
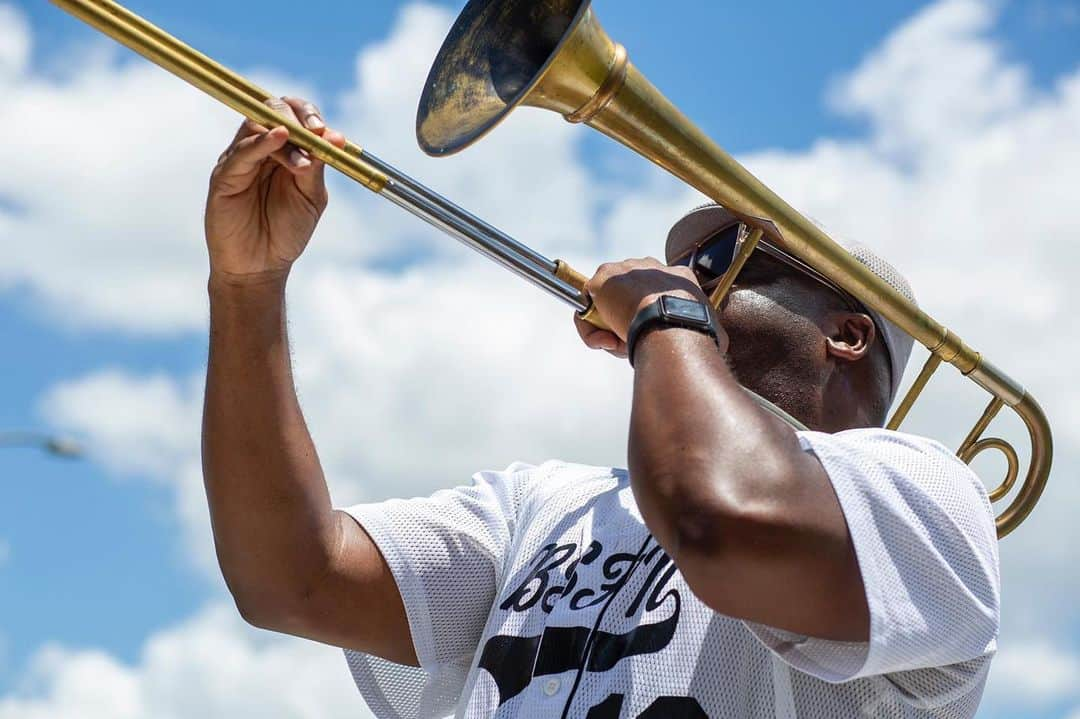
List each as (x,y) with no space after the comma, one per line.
(266,196)
(619,290)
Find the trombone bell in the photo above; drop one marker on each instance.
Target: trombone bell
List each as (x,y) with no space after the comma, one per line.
(551,54)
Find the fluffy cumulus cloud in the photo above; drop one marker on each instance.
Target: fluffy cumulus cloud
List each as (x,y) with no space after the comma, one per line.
(1036,674)
(413,378)
(209,666)
(14,42)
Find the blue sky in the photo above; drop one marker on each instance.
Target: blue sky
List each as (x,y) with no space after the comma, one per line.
(95,555)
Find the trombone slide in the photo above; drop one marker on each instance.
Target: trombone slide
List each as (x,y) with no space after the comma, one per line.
(248,99)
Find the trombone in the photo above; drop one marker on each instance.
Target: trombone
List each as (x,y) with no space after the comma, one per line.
(554,54)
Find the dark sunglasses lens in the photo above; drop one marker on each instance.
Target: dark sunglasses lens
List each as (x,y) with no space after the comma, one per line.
(714,256)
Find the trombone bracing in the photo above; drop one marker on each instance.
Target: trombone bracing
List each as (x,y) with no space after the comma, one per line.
(553,54)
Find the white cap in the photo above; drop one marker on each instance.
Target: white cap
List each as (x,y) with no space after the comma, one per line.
(702,222)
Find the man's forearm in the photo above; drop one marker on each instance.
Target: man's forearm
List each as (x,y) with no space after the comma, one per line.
(274,527)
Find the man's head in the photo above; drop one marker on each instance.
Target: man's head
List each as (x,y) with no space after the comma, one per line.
(797,339)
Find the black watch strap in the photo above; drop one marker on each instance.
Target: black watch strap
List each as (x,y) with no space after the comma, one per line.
(671,311)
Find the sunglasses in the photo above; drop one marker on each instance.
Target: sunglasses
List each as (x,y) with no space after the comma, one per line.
(712,258)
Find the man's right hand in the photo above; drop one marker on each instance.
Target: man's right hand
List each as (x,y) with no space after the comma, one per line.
(266,197)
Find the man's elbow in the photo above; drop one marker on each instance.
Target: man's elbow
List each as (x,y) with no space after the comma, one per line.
(703,512)
(716,528)
(712,508)
(275,608)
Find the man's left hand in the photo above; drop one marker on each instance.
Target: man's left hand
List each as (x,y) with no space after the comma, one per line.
(619,290)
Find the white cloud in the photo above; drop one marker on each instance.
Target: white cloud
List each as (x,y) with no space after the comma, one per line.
(14,43)
(209,666)
(935,80)
(133,423)
(1034,673)
(413,379)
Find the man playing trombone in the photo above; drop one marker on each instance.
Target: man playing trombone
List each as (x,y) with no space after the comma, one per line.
(739,568)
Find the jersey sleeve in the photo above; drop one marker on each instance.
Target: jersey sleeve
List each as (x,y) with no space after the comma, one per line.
(924,536)
(447,553)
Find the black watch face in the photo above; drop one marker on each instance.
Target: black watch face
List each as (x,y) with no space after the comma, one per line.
(685,310)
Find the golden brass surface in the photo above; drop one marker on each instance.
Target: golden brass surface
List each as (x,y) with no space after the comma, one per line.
(901,413)
(1010,456)
(607,91)
(575,279)
(746,248)
(569,275)
(157,35)
(1042,448)
(145,39)
(983,422)
(593,318)
(553,54)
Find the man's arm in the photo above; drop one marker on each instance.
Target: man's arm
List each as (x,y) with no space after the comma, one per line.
(292,563)
(750,519)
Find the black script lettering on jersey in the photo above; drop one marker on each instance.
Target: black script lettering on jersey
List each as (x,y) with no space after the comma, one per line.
(534,588)
(514,661)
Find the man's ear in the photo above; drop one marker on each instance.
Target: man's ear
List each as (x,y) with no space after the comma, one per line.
(851,337)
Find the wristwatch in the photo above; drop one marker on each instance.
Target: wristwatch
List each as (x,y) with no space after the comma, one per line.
(673,312)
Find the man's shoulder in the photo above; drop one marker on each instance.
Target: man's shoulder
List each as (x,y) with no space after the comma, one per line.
(900,469)
(884,445)
(551,473)
(536,483)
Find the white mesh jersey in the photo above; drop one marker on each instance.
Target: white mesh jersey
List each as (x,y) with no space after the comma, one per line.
(539,592)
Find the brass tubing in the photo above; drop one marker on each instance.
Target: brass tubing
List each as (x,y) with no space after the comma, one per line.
(575,279)
(1042,455)
(607,90)
(642,118)
(932,363)
(179,63)
(745,250)
(161,37)
(570,276)
(997,383)
(980,426)
(1011,458)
